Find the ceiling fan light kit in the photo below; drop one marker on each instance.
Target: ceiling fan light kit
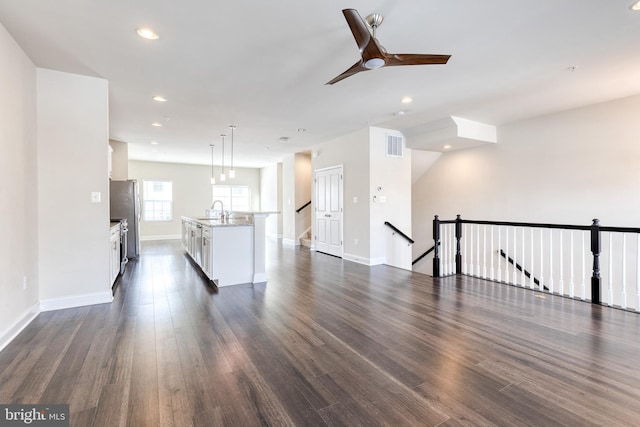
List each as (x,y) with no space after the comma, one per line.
(373,55)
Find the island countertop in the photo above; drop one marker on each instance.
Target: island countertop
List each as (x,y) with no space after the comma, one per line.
(214,222)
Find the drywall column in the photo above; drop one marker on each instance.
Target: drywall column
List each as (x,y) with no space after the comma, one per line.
(18,191)
(73,201)
(271,198)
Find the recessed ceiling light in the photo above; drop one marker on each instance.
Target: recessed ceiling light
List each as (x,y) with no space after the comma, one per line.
(284,138)
(159,98)
(154,142)
(400,113)
(446,147)
(572,68)
(156,124)
(406,100)
(147,33)
(301,130)
(635,6)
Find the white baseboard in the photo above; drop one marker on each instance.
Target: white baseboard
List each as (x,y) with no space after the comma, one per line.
(260,278)
(164,237)
(76,301)
(7,336)
(362,260)
(290,242)
(274,236)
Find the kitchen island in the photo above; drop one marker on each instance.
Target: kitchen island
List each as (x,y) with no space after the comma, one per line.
(230,251)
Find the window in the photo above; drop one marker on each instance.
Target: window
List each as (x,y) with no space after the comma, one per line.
(235,198)
(157,200)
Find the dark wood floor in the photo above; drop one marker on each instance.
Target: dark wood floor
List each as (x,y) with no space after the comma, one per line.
(326,342)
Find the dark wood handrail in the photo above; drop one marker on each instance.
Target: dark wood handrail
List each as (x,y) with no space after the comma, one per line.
(519,268)
(428,251)
(394,228)
(304,206)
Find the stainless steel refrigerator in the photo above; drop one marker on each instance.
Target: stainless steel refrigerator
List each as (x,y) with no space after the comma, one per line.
(125,204)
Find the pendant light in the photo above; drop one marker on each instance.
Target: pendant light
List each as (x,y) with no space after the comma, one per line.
(213,180)
(223,177)
(232,171)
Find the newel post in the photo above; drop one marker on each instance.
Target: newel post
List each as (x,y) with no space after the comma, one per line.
(436,252)
(458,237)
(595,249)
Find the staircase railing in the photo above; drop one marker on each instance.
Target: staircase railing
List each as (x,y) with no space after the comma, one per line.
(427,252)
(561,259)
(396,230)
(302,207)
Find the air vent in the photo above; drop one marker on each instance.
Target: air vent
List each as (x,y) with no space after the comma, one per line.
(394,146)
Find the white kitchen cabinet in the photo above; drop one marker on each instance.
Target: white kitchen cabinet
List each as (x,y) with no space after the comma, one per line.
(207,252)
(223,251)
(114,252)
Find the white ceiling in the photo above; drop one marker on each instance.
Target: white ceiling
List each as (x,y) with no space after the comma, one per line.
(263,65)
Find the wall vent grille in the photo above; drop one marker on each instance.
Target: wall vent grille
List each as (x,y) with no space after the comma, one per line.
(395,146)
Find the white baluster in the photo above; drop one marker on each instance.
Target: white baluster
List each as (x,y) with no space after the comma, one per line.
(470,249)
(515,256)
(624,270)
(523,280)
(584,269)
(610,290)
(506,259)
(484,252)
(531,278)
(551,260)
(561,280)
(571,285)
(500,257)
(478,251)
(464,249)
(638,275)
(541,287)
(491,271)
(445,250)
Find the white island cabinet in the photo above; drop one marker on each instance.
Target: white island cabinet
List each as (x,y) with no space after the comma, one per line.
(224,251)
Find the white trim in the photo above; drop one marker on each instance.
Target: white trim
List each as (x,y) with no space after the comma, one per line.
(260,278)
(76,301)
(274,236)
(362,260)
(290,242)
(13,331)
(161,237)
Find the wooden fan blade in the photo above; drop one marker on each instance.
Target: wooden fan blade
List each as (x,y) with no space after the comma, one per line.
(358,28)
(393,59)
(355,69)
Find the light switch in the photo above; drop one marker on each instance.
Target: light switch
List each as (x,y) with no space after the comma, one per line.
(355,199)
(95,197)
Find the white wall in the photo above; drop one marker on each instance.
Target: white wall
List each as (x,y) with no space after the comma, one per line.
(18,188)
(352,152)
(568,167)
(391,185)
(288,198)
(191,191)
(302,193)
(271,198)
(120,160)
(73,138)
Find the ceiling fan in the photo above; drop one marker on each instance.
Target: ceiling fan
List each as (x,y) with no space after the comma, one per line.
(373,54)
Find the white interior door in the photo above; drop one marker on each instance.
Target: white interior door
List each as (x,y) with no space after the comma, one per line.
(328,189)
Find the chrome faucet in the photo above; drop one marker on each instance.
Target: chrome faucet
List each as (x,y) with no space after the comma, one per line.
(221,208)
